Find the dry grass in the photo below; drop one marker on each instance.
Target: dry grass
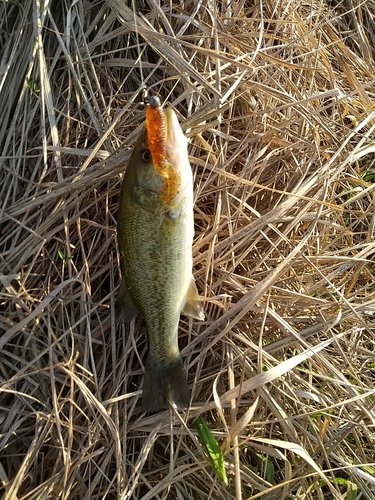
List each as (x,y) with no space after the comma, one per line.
(278,99)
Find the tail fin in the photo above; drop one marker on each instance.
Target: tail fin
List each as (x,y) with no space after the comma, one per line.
(165,384)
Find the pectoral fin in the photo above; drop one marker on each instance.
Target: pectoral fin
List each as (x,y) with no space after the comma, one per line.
(125,307)
(192,305)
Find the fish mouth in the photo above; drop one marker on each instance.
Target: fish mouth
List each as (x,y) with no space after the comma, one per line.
(168,148)
(176,142)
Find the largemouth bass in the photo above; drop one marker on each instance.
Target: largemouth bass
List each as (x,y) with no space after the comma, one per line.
(155,229)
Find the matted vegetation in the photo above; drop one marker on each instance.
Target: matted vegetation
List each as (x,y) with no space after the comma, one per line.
(278,100)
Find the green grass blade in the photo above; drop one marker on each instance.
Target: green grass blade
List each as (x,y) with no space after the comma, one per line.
(352,491)
(212,448)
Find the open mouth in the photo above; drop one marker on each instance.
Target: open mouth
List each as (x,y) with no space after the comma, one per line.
(176,142)
(165,139)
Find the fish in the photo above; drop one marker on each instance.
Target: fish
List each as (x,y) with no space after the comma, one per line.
(155,229)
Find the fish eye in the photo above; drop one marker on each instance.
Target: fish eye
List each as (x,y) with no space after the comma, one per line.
(146,155)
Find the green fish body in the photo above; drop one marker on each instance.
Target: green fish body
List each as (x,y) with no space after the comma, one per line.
(155,243)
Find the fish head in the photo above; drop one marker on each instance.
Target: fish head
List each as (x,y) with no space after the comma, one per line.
(159,165)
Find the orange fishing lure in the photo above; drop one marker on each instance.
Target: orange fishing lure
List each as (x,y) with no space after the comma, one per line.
(156,133)
(157,143)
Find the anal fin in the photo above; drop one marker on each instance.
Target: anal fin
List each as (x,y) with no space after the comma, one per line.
(192,305)
(125,307)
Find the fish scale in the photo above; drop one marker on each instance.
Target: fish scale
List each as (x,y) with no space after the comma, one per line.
(158,286)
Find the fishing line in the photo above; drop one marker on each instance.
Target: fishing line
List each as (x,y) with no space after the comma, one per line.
(139,58)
